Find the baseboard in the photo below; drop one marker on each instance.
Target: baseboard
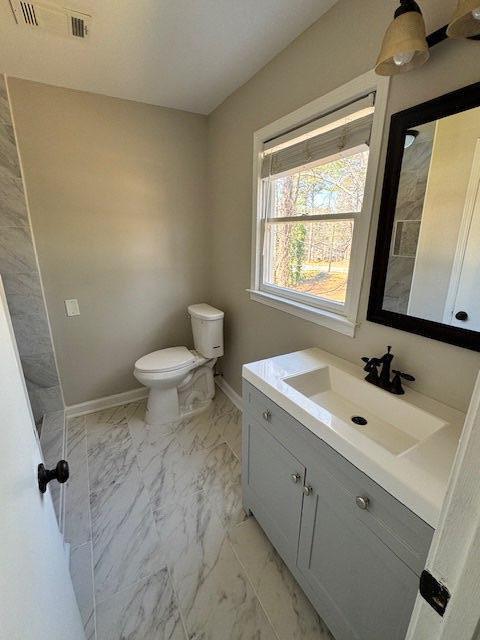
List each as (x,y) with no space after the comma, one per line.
(229,392)
(105,403)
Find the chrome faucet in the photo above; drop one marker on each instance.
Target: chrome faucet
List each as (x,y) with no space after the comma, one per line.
(383,380)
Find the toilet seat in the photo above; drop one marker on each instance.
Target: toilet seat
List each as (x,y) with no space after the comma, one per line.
(165,360)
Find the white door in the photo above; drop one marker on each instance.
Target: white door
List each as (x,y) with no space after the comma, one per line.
(463,301)
(37,601)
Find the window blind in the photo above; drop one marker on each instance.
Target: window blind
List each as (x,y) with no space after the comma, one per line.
(343,129)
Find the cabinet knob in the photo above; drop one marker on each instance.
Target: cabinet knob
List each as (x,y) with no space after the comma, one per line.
(296,477)
(307,490)
(267,415)
(362,502)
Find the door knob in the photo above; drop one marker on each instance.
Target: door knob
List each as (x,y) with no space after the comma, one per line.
(362,502)
(61,473)
(267,415)
(461,315)
(307,490)
(296,477)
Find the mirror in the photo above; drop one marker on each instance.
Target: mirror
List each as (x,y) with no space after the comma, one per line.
(427,260)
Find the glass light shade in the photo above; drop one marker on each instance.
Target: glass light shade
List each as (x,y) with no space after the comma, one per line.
(464,24)
(410,136)
(404,45)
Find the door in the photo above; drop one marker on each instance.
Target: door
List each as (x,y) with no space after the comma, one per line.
(463,302)
(358,585)
(37,601)
(275,478)
(454,558)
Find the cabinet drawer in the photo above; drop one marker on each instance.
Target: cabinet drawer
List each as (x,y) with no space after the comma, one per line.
(274,419)
(407,535)
(262,408)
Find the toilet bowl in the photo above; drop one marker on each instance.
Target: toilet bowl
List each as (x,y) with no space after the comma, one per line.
(181,380)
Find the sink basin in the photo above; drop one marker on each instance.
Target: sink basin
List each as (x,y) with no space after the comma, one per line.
(388,420)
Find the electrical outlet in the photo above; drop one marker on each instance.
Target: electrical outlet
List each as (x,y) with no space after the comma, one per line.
(72,308)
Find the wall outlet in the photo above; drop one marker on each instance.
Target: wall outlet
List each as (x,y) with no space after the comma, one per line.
(72,308)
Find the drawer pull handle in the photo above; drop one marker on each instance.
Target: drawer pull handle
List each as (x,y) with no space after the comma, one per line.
(362,502)
(307,490)
(296,477)
(267,415)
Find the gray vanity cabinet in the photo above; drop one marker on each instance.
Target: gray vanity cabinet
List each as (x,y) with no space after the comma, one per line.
(356,551)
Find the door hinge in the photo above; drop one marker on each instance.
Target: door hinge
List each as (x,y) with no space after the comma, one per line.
(435,593)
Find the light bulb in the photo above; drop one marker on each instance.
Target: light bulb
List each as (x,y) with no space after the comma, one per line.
(403,58)
(476,13)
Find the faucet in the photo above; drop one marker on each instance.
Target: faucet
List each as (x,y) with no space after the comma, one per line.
(383,380)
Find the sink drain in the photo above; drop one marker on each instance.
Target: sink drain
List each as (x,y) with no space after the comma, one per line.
(360,420)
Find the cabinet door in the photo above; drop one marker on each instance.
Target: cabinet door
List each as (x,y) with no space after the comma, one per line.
(275,483)
(362,589)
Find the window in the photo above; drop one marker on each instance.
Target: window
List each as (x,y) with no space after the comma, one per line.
(314,190)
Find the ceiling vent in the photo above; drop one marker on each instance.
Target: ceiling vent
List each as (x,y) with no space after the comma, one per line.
(48,17)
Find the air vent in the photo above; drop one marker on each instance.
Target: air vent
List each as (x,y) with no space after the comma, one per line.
(28,13)
(49,17)
(79,29)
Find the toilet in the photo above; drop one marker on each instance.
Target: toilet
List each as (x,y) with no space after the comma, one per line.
(181,380)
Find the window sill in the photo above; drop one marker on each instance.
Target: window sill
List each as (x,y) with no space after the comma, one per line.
(328,319)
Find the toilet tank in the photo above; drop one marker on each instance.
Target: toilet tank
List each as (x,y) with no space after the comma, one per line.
(207,328)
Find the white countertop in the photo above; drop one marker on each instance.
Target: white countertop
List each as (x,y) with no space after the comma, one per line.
(418,478)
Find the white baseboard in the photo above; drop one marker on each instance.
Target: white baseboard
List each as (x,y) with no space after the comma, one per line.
(229,392)
(105,403)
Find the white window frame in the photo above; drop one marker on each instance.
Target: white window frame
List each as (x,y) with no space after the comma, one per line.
(342,318)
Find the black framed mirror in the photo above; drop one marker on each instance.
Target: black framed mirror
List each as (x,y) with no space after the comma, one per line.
(426,272)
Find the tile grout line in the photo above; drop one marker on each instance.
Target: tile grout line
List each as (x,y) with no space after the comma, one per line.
(251,584)
(177,599)
(91,531)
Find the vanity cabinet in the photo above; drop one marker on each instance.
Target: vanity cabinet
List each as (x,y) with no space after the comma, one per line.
(356,551)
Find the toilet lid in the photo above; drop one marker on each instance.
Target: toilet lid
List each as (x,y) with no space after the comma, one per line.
(165,360)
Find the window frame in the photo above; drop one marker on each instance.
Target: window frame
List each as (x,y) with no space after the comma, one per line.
(337,316)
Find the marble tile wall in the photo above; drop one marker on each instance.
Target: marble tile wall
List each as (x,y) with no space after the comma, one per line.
(161,547)
(411,194)
(21,279)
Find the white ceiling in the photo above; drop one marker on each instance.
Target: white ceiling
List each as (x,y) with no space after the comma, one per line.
(186,54)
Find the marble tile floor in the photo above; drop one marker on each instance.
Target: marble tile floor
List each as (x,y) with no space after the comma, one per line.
(160,545)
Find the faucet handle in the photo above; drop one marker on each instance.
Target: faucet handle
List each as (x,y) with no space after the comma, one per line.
(371,367)
(404,376)
(396,386)
(370,363)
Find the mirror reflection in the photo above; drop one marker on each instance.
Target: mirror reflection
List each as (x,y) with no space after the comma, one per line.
(434,256)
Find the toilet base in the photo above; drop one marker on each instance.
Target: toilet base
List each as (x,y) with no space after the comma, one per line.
(192,396)
(162,406)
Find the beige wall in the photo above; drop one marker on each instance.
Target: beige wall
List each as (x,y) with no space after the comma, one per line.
(340,46)
(450,170)
(117,192)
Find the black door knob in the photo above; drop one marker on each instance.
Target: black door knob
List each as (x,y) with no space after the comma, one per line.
(61,473)
(461,315)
